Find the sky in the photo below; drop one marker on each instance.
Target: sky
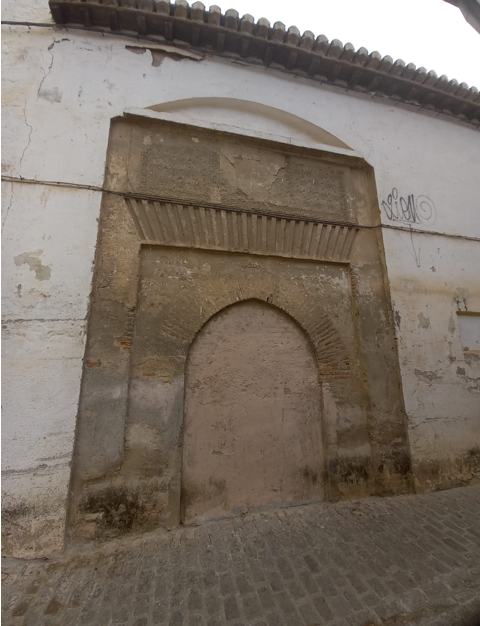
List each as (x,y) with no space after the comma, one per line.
(429,33)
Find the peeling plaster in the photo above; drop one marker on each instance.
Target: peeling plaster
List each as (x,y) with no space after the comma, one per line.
(451,325)
(473,383)
(160,52)
(51,95)
(428,376)
(32,259)
(460,297)
(423,321)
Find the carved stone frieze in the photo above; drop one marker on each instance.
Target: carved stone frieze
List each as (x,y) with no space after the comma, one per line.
(194,226)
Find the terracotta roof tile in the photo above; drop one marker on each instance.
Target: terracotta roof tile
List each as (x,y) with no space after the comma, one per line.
(234,36)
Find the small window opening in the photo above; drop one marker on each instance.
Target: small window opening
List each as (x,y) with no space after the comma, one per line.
(469,325)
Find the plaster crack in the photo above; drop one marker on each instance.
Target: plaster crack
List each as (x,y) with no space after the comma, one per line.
(29,140)
(415,253)
(362,139)
(46,73)
(9,204)
(275,176)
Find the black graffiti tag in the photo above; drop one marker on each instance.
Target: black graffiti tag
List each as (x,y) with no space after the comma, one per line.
(409,210)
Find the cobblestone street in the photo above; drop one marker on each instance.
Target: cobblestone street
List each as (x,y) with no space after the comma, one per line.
(402,560)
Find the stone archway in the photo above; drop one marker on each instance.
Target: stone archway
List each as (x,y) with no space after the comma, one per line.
(252,426)
(201,220)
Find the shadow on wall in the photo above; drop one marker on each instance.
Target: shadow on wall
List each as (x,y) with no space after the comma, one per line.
(260,117)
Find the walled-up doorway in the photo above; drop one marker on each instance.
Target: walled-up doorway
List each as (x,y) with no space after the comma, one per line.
(252,430)
(232,274)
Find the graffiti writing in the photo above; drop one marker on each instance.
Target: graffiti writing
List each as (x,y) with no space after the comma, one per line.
(410,209)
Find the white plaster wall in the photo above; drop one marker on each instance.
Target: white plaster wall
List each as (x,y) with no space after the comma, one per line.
(61,89)
(26,11)
(440,381)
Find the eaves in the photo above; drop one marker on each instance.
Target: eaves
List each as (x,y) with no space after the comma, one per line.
(258,43)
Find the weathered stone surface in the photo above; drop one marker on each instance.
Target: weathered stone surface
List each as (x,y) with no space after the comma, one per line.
(223,171)
(232,230)
(154,292)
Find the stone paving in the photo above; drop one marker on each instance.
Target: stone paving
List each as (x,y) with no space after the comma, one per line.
(403,560)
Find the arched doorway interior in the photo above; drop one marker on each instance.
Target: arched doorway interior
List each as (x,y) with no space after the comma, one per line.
(252,429)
